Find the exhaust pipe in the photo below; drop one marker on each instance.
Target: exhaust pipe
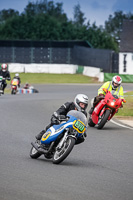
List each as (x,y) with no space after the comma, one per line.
(39,149)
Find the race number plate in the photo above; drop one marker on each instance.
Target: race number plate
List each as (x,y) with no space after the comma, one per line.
(79,126)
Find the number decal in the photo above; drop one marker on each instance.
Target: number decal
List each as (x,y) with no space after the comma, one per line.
(45,136)
(79,126)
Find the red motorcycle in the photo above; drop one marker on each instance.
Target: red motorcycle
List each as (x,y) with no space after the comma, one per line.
(14,86)
(105,109)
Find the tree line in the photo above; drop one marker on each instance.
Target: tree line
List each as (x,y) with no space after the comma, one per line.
(46,20)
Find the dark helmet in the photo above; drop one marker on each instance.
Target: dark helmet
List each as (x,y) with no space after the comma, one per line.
(4,67)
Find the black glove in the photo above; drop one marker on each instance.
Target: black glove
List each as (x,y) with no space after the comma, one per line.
(54,120)
(101,96)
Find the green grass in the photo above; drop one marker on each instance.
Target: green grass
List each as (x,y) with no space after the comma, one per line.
(42,78)
(127,109)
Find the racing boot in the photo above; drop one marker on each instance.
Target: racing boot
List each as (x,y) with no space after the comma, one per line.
(39,136)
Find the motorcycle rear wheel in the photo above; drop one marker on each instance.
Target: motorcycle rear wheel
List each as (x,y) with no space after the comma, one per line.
(34,153)
(104,119)
(61,154)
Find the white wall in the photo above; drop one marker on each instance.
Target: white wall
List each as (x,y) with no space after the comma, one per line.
(43,68)
(55,69)
(127,60)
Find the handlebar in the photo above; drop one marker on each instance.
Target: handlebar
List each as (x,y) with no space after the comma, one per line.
(105,90)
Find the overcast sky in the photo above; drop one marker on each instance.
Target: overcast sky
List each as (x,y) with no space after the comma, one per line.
(95,10)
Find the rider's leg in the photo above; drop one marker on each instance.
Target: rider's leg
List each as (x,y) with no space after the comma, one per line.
(4,86)
(39,136)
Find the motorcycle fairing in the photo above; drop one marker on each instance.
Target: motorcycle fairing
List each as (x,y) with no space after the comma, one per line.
(56,130)
(97,110)
(14,82)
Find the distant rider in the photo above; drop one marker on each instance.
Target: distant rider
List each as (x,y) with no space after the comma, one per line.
(113,86)
(6,75)
(26,86)
(80,103)
(18,78)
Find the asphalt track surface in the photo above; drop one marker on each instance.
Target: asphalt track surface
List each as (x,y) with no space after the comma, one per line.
(101,168)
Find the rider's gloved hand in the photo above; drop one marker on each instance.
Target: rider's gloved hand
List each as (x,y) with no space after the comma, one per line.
(55,118)
(101,96)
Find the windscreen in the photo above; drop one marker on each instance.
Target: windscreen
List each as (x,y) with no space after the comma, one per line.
(78,115)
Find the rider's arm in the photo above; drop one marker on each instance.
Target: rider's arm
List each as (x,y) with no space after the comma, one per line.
(63,109)
(105,85)
(121,95)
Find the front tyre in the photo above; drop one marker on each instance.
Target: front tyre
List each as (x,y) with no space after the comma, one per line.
(13,91)
(61,153)
(103,119)
(90,122)
(34,153)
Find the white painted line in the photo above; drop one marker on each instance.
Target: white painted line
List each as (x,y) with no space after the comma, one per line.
(120,124)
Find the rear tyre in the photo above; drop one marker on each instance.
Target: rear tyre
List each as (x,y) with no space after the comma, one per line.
(104,119)
(61,153)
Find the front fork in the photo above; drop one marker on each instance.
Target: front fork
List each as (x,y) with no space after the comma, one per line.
(112,113)
(63,140)
(103,110)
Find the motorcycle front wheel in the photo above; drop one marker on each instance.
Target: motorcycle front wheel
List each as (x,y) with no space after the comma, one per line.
(103,119)
(91,123)
(61,153)
(34,153)
(13,92)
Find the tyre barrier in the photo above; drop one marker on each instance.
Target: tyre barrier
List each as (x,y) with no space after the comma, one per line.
(25,91)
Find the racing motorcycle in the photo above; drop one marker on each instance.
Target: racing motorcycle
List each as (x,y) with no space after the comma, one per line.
(59,140)
(105,109)
(14,86)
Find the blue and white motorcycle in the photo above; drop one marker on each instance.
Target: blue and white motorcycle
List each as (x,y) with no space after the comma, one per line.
(59,140)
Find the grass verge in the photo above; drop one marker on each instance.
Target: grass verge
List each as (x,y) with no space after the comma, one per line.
(42,78)
(127,109)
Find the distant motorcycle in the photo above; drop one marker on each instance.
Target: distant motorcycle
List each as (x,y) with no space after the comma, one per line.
(14,86)
(105,109)
(59,140)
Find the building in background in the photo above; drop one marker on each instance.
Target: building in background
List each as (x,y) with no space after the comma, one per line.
(126,48)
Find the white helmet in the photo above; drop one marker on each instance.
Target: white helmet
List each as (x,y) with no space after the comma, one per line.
(17,75)
(116,79)
(81,98)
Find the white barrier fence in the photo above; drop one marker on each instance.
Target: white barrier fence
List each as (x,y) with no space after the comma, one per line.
(55,69)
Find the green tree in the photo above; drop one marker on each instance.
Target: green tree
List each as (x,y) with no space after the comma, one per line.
(79,18)
(7,14)
(114,23)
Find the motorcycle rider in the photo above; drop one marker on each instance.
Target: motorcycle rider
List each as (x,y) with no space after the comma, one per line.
(80,103)
(26,86)
(18,78)
(113,86)
(6,75)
